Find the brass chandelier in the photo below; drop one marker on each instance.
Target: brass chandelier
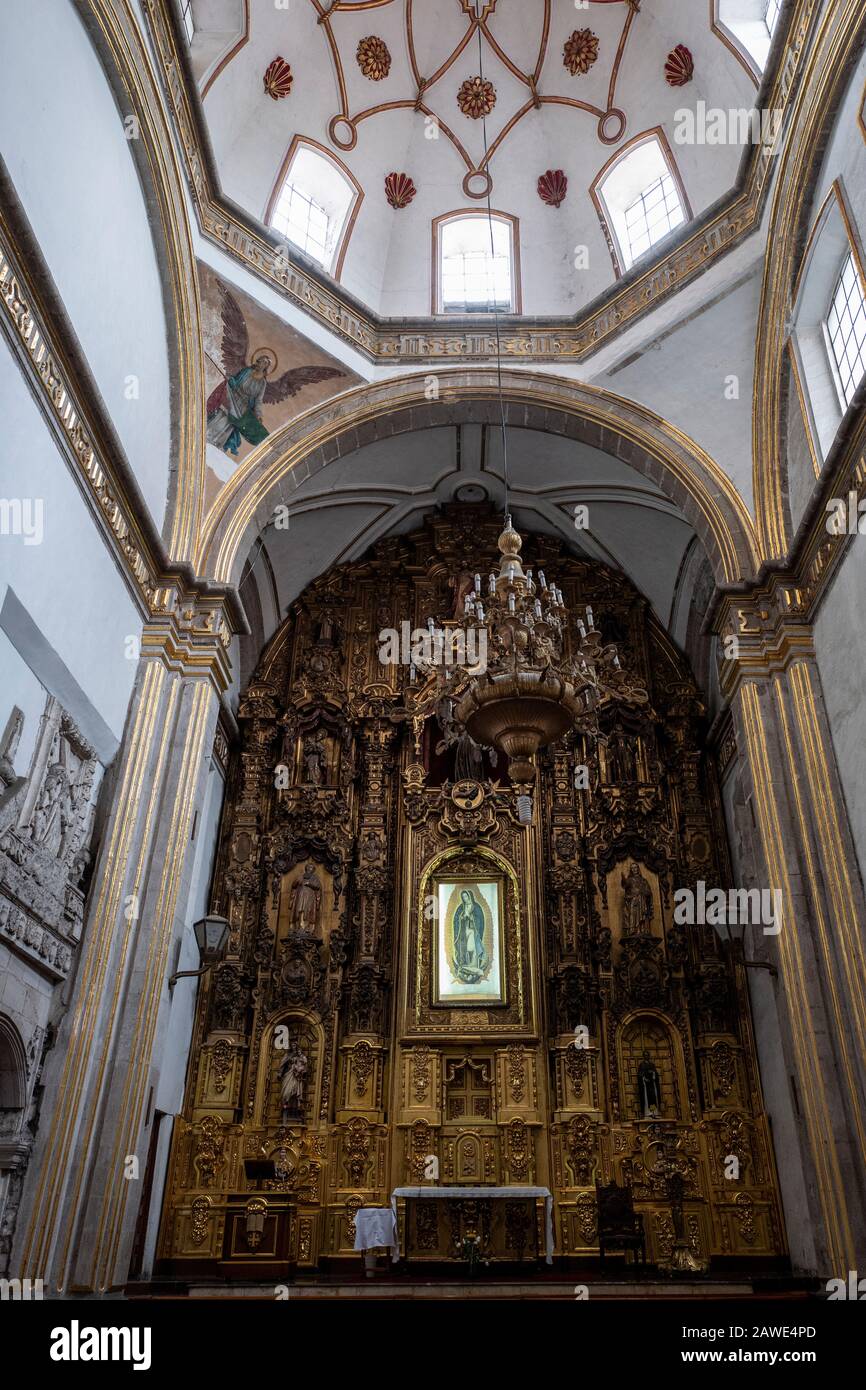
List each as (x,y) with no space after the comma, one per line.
(517,686)
(531,692)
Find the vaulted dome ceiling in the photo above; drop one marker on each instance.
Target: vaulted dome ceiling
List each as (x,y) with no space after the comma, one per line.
(563,89)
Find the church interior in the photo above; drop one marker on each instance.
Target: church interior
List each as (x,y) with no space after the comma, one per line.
(433,762)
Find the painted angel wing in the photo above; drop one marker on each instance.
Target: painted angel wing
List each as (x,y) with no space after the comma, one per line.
(295,379)
(235,344)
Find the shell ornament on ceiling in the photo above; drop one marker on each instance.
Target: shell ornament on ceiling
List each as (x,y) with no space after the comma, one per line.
(429,96)
(278,79)
(477,97)
(580,51)
(552,187)
(399,190)
(680,66)
(374,58)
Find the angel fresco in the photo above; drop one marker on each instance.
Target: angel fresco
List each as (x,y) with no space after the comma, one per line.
(234,408)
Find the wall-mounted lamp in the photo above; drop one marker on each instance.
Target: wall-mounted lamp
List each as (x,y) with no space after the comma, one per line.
(211,934)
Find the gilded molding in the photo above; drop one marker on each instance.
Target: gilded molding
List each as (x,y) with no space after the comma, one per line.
(541,340)
(838,37)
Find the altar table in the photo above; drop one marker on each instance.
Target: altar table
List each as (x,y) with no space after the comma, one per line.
(401,1195)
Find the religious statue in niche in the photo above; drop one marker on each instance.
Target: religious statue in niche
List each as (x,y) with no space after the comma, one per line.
(637,903)
(306,902)
(649,1089)
(461,586)
(621,759)
(371,848)
(469,759)
(315,759)
(293,1082)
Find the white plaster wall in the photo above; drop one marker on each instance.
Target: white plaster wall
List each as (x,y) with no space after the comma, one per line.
(175,1049)
(685,375)
(62,139)
(846,153)
(839,631)
(839,627)
(785,1126)
(845,160)
(169,1090)
(69,583)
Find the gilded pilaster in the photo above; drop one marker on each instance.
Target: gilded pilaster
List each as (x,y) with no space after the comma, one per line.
(805,852)
(81,1201)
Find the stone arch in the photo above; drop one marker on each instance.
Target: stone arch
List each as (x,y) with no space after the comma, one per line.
(630,432)
(13,1069)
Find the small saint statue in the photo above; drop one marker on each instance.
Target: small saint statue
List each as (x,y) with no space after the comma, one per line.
(649,1089)
(9,747)
(293,1082)
(52,815)
(637,903)
(306,901)
(315,757)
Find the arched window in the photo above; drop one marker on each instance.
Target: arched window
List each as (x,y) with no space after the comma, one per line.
(827,344)
(846,330)
(747,27)
(13,1078)
(475,261)
(771,15)
(187,17)
(314,204)
(640,198)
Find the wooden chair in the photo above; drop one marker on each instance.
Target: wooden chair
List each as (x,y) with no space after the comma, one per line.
(620,1227)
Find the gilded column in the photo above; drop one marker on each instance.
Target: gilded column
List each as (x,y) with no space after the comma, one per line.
(803,849)
(84,1185)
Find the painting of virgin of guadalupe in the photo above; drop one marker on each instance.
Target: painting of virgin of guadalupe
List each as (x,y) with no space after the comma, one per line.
(469,965)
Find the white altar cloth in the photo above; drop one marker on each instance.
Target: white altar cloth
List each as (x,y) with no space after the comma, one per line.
(432,1193)
(376,1229)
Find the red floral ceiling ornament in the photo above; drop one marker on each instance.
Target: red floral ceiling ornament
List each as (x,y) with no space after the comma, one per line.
(477,97)
(580,51)
(374,59)
(679,66)
(552,187)
(278,79)
(399,190)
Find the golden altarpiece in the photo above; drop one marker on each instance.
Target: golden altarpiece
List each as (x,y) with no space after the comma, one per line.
(335,1058)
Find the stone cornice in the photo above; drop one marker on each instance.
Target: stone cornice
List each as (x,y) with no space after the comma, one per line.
(559,340)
